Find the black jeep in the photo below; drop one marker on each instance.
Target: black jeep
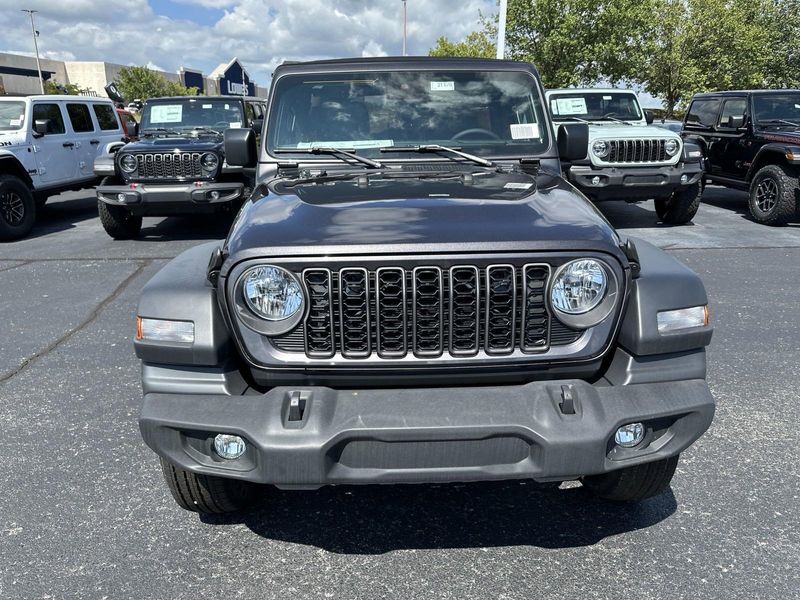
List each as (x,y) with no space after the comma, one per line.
(752,142)
(178,164)
(414,294)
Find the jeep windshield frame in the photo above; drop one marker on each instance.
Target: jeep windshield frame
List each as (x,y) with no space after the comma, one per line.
(593,106)
(210,115)
(491,112)
(778,108)
(13,115)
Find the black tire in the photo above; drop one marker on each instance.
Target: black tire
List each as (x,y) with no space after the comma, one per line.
(17,208)
(774,195)
(681,206)
(206,494)
(633,483)
(118,221)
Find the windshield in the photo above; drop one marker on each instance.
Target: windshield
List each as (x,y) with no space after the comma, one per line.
(12,115)
(777,107)
(191,113)
(593,106)
(486,113)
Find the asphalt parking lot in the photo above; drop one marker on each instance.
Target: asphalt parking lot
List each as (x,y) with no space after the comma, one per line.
(85,513)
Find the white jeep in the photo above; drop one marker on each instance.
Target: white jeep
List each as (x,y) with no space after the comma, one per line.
(48,145)
(629,158)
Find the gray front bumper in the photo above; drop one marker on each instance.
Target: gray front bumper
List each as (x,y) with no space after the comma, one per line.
(621,183)
(426,435)
(193,193)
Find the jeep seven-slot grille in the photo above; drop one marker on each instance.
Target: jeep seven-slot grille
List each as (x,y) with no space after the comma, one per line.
(172,165)
(427,312)
(637,151)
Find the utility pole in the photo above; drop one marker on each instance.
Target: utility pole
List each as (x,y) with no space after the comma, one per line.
(405,21)
(501,30)
(36,46)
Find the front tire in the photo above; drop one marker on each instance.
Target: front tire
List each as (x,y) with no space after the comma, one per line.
(633,483)
(118,221)
(206,494)
(681,206)
(774,195)
(17,208)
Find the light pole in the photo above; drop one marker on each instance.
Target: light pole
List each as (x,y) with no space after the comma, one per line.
(405,15)
(501,30)
(36,46)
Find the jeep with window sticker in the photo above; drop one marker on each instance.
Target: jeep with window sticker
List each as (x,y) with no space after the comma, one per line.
(48,145)
(177,166)
(628,157)
(413,293)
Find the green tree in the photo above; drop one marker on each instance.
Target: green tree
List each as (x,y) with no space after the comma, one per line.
(53,87)
(144,83)
(477,44)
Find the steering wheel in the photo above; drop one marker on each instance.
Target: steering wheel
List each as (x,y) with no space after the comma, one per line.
(474,130)
(222,124)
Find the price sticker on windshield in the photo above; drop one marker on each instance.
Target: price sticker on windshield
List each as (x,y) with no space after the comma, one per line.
(166,113)
(570,106)
(524,131)
(443,86)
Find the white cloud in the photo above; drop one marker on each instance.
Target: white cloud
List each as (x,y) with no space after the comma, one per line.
(262,33)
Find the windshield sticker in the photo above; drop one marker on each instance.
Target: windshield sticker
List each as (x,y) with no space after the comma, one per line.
(207,106)
(517,186)
(236,124)
(166,113)
(524,131)
(347,144)
(15,122)
(443,86)
(570,106)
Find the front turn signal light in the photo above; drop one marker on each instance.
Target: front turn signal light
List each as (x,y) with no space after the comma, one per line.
(682,318)
(162,330)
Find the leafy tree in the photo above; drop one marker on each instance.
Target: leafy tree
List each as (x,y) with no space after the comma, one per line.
(52,87)
(144,83)
(477,44)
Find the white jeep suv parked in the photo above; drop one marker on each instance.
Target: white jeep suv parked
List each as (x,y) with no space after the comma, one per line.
(48,144)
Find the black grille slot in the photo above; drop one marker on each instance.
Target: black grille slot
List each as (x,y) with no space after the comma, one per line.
(464,311)
(390,320)
(319,322)
(561,335)
(180,165)
(535,329)
(428,311)
(500,309)
(637,151)
(354,312)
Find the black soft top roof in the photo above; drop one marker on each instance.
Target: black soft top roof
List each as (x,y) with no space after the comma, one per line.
(727,93)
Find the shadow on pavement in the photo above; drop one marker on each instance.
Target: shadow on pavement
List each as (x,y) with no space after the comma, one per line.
(191,227)
(380,519)
(639,215)
(59,216)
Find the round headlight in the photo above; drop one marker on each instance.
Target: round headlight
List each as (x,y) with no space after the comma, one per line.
(671,147)
(272,293)
(127,163)
(601,148)
(209,161)
(579,287)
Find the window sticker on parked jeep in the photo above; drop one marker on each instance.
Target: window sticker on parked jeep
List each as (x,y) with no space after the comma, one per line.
(569,106)
(443,86)
(512,185)
(348,143)
(166,113)
(524,131)
(235,124)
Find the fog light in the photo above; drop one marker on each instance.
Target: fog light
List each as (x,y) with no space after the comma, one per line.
(629,435)
(229,447)
(596,180)
(214,195)
(121,197)
(684,178)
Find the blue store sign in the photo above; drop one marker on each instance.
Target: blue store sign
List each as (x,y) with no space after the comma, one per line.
(235,81)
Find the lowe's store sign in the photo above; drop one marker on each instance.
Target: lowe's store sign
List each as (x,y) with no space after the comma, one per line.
(235,81)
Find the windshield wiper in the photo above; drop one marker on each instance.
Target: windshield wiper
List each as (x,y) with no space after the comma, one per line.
(778,122)
(437,148)
(570,118)
(610,116)
(151,130)
(201,128)
(374,164)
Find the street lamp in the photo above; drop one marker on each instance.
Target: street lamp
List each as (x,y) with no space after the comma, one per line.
(501,30)
(36,46)
(405,14)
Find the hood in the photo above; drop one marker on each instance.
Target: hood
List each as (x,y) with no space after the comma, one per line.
(183,143)
(620,131)
(494,212)
(784,137)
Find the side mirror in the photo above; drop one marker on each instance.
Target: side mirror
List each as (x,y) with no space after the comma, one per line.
(258,125)
(240,147)
(736,122)
(649,117)
(573,141)
(40,126)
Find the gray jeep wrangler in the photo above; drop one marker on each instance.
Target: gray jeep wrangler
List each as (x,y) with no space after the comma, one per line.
(413,293)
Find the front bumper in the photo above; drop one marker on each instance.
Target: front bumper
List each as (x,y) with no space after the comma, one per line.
(426,435)
(633,183)
(142,197)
